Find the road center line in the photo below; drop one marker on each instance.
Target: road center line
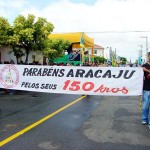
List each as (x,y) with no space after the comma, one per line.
(14,136)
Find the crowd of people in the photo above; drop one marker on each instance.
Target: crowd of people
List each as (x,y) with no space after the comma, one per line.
(87,63)
(70,63)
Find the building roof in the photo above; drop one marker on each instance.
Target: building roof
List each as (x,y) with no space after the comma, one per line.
(98,46)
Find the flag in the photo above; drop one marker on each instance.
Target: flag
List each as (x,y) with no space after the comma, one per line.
(140,60)
(82,46)
(82,41)
(113,59)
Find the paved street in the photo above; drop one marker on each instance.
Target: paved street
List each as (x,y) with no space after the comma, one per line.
(93,123)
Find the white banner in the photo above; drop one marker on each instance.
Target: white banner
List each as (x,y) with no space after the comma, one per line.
(114,81)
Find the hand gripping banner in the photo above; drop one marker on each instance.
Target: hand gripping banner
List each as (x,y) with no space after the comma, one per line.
(113,81)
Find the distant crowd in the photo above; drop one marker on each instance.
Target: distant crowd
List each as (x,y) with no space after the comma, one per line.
(87,63)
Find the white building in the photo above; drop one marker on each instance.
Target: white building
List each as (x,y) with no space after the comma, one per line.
(98,50)
(6,56)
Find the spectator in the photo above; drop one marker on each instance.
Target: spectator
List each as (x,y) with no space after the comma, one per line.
(44,63)
(34,63)
(21,62)
(86,63)
(146,93)
(66,53)
(12,62)
(6,62)
(68,64)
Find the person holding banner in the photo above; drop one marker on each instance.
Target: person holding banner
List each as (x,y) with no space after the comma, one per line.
(146,93)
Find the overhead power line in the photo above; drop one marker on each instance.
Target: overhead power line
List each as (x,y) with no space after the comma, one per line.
(118,32)
(95,32)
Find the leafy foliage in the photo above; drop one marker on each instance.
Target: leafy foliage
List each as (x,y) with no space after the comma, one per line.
(18,52)
(55,48)
(123,59)
(99,59)
(4,31)
(31,34)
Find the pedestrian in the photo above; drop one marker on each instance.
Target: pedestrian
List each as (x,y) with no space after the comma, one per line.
(68,64)
(86,63)
(66,52)
(12,62)
(21,62)
(146,93)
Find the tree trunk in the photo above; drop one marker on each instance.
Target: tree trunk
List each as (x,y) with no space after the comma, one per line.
(17,60)
(27,55)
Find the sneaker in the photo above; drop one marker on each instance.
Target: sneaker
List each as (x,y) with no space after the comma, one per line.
(144,123)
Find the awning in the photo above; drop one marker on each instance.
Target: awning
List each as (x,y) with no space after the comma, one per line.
(75,38)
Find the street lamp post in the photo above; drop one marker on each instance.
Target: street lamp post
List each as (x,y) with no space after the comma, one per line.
(109,56)
(110,53)
(146,46)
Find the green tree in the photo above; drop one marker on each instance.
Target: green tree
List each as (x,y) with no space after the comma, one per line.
(99,59)
(29,34)
(6,38)
(18,52)
(16,48)
(124,60)
(55,48)
(4,31)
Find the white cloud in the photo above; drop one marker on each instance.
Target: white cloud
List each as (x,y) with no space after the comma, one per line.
(104,15)
(8,7)
(12,4)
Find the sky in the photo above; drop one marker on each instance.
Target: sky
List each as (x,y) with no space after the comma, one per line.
(93,17)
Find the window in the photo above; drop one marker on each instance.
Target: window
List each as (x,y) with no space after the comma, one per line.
(33,58)
(44,60)
(95,51)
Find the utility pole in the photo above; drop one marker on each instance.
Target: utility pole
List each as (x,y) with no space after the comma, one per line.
(146,46)
(115,57)
(115,53)
(140,55)
(110,54)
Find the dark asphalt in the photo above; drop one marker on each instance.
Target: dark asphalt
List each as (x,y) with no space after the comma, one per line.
(63,131)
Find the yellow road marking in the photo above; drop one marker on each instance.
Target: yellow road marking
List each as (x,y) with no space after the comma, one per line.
(14,136)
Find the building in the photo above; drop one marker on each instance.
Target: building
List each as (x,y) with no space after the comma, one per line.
(98,50)
(74,38)
(6,56)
